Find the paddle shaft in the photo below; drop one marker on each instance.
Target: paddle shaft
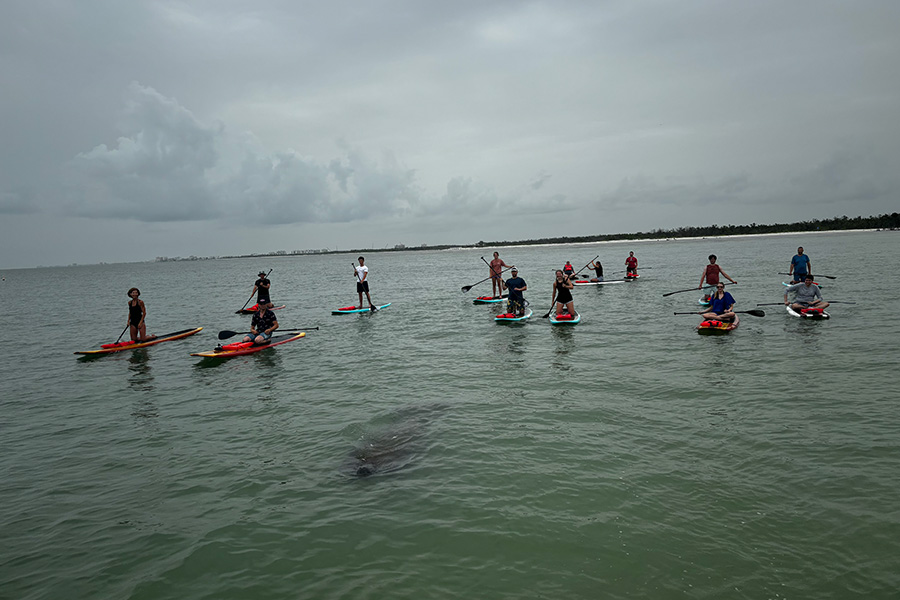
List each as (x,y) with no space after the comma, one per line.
(578,272)
(123,332)
(225,334)
(825,276)
(689,289)
(752,312)
(466,288)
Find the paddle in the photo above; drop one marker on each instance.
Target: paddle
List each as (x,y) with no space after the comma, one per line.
(783,304)
(753,312)
(466,288)
(687,290)
(237,312)
(224,335)
(123,333)
(572,276)
(825,276)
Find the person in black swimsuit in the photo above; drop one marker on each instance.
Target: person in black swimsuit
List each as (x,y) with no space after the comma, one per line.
(136,314)
(562,294)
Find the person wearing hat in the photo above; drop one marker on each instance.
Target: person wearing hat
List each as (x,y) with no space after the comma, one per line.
(262,325)
(516,285)
(261,288)
(137,312)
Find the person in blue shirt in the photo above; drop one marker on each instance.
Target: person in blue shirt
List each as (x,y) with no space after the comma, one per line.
(800,267)
(516,285)
(720,305)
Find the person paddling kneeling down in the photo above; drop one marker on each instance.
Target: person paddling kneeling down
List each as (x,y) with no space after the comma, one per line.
(721,304)
(562,294)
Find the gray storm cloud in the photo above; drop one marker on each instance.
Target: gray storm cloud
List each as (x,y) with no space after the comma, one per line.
(169,166)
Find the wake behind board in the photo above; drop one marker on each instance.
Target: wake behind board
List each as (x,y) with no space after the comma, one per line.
(565,319)
(816,314)
(512,318)
(714,327)
(121,346)
(352,309)
(255,307)
(489,299)
(244,348)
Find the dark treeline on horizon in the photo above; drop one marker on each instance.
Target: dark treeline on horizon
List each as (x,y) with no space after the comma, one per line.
(891,221)
(885,221)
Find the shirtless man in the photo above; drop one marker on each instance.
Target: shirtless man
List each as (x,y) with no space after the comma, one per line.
(497,265)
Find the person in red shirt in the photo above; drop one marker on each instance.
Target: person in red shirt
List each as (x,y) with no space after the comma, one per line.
(630,265)
(711,274)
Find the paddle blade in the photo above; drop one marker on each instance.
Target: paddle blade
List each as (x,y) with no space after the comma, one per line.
(224,335)
(466,288)
(756,312)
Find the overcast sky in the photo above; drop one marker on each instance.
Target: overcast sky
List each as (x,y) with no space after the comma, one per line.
(136,129)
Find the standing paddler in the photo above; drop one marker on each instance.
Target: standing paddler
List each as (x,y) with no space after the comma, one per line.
(361,273)
(261,288)
(711,274)
(496,266)
(800,267)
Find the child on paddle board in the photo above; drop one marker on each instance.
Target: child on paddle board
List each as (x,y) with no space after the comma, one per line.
(562,294)
(721,304)
(137,312)
(631,265)
(262,325)
(711,274)
(362,283)
(516,285)
(497,265)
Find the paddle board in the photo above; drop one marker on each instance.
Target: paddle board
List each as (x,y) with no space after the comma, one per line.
(815,314)
(254,308)
(488,299)
(554,320)
(585,282)
(715,327)
(120,346)
(352,309)
(502,318)
(243,348)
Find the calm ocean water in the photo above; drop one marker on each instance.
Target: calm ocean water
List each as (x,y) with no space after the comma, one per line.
(627,457)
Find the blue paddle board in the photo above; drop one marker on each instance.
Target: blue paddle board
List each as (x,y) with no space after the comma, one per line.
(352,309)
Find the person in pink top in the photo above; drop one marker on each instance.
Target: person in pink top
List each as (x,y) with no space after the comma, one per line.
(497,265)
